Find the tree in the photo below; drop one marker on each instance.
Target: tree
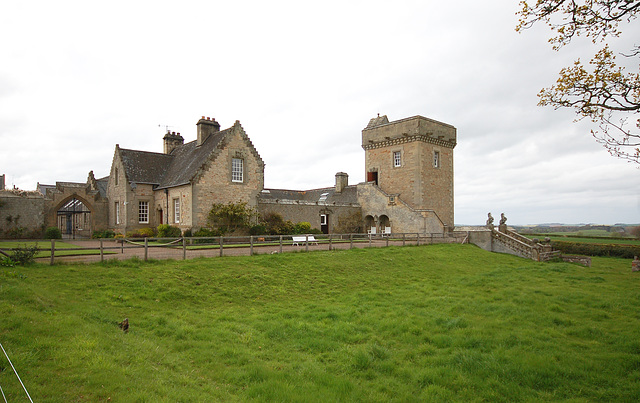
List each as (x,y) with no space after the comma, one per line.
(605,93)
(231,217)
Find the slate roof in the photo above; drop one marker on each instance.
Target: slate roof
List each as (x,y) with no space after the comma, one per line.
(168,170)
(349,195)
(102,186)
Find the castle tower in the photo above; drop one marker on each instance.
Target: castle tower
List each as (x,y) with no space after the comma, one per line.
(412,158)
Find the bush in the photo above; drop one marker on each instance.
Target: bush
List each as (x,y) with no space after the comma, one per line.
(258,229)
(302,228)
(141,233)
(207,232)
(231,218)
(103,234)
(15,233)
(187,233)
(168,231)
(6,262)
(24,255)
(596,249)
(52,233)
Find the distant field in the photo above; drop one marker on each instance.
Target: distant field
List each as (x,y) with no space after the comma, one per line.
(615,241)
(429,323)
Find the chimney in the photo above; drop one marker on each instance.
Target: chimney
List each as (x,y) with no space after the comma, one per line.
(342,181)
(2,182)
(172,140)
(206,127)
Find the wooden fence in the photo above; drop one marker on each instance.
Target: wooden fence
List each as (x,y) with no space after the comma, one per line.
(187,248)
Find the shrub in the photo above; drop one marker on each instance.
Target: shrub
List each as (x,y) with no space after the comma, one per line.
(302,228)
(15,233)
(593,249)
(141,233)
(24,255)
(52,233)
(187,233)
(168,231)
(231,217)
(258,229)
(107,233)
(6,261)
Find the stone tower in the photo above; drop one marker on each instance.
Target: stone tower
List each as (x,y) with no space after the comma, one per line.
(412,159)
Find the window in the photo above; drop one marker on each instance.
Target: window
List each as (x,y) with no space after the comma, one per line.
(116,176)
(323,219)
(436,159)
(323,197)
(397,159)
(236,170)
(143,212)
(117,212)
(176,210)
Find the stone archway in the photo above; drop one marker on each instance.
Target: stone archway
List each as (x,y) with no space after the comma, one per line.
(75,206)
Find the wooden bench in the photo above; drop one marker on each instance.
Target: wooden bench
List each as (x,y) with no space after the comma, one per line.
(297,240)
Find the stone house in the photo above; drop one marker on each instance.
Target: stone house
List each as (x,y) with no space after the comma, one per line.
(408,187)
(179,186)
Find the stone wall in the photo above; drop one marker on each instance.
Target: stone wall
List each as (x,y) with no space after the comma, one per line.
(21,209)
(402,217)
(308,212)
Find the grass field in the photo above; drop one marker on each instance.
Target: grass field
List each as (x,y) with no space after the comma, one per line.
(429,323)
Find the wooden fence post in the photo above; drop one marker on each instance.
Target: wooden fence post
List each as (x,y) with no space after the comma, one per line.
(250,245)
(417,239)
(146,248)
(184,248)
(53,249)
(350,241)
(280,243)
(329,241)
(221,246)
(306,243)
(101,252)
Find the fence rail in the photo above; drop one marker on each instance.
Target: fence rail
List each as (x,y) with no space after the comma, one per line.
(192,247)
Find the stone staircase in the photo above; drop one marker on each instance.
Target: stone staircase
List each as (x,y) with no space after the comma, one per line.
(508,241)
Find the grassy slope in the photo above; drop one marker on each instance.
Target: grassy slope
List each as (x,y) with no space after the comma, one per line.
(443,322)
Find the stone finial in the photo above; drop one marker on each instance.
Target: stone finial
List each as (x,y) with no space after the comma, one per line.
(503,223)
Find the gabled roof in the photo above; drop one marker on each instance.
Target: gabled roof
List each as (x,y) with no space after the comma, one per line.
(175,169)
(189,158)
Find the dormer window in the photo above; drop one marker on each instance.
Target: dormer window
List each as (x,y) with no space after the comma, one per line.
(436,159)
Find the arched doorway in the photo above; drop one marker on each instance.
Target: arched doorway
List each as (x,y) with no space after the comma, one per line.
(74,219)
(370,224)
(385,224)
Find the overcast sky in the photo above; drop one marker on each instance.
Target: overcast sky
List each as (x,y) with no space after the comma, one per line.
(303,79)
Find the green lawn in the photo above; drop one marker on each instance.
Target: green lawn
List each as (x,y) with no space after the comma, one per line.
(429,323)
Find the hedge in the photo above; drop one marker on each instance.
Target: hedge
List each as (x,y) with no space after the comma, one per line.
(597,249)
